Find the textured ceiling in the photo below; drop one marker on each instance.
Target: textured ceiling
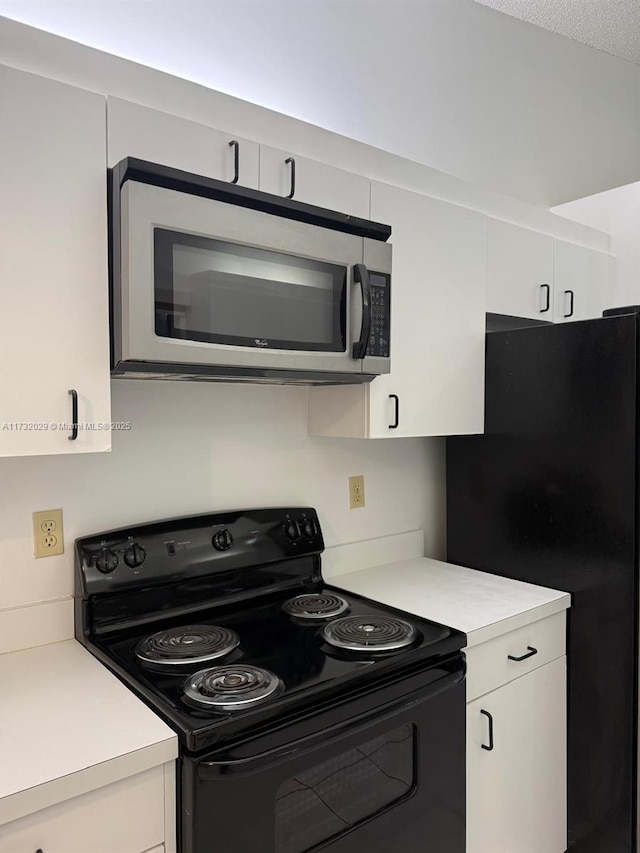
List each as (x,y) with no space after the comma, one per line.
(609,25)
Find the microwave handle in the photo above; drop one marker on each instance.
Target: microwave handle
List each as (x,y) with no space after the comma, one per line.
(361,276)
(208,770)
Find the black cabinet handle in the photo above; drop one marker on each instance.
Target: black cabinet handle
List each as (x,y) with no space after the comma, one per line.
(396,420)
(292,163)
(547,303)
(530,653)
(490,718)
(236,160)
(571,294)
(361,276)
(74,419)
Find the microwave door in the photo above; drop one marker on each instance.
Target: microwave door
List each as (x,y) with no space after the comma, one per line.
(213,284)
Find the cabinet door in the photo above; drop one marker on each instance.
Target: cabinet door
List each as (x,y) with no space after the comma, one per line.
(516,792)
(437,317)
(519,271)
(54,316)
(136,131)
(582,282)
(315,183)
(125,816)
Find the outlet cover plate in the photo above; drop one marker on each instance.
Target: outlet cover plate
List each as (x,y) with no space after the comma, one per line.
(356,492)
(48,536)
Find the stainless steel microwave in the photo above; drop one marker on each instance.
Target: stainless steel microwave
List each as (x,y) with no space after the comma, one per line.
(213,281)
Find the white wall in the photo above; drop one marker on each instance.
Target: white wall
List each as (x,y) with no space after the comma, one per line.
(449,83)
(617,212)
(202,447)
(198,447)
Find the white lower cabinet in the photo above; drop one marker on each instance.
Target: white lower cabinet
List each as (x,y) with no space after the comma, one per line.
(516,765)
(124,817)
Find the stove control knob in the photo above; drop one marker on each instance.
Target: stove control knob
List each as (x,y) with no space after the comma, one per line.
(307,528)
(135,555)
(222,540)
(291,531)
(106,561)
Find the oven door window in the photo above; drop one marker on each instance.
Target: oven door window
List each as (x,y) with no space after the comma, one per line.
(227,293)
(332,797)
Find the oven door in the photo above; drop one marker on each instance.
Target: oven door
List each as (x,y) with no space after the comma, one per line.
(204,282)
(383,772)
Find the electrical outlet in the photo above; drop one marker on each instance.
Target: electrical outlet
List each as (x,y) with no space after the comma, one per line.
(356,492)
(48,538)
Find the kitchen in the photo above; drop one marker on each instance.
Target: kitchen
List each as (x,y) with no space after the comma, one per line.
(197,447)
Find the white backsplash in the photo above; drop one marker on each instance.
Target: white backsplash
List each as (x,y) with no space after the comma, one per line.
(198,447)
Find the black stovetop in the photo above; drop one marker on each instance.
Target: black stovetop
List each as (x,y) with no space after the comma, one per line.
(233,570)
(294,650)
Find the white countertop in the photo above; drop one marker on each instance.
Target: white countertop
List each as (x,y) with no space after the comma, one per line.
(68,725)
(480,604)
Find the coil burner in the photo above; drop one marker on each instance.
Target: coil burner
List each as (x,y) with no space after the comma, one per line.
(188,644)
(369,633)
(315,605)
(235,687)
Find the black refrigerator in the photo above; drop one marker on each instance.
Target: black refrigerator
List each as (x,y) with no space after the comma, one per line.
(550,495)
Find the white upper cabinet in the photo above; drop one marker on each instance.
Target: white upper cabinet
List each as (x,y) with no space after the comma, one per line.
(54,316)
(437,317)
(582,279)
(282,172)
(436,384)
(519,271)
(136,131)
(533,275)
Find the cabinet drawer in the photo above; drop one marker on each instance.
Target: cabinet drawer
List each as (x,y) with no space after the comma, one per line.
(126,817)
(489,664)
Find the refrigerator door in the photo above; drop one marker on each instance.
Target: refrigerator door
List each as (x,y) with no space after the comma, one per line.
(549,495)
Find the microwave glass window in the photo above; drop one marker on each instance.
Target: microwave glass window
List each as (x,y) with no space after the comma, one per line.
(332,797)
(219,292)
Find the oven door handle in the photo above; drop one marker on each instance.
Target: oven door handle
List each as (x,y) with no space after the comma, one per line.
(212,769)
(361,275)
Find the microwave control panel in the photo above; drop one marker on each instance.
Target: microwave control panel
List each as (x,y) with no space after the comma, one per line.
(379,336)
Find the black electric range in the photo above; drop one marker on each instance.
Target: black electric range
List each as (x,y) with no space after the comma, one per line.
(223,624)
